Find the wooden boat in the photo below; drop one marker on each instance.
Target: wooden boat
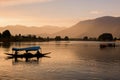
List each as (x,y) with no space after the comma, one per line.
(104,45)
(27,53)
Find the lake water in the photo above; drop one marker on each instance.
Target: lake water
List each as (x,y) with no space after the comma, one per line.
(70,60)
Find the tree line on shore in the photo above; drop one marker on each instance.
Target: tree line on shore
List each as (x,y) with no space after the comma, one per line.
(6,36)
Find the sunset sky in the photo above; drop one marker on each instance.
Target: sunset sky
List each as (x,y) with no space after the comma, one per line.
(54,12)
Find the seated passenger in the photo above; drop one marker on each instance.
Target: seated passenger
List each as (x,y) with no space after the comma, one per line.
(38,53)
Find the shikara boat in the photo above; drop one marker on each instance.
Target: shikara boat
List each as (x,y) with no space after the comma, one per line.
(27,53)
(104,45)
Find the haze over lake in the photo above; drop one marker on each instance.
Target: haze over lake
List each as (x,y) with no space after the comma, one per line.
(70,60)
(70,29)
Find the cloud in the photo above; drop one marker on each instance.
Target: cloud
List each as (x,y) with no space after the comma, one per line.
(16,2)
(96,12)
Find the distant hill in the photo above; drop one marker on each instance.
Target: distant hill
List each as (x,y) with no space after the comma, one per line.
(93,27)
(24,30)
(90,28)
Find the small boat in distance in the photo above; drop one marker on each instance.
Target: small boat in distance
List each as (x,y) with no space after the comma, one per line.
(104,45)
(27,53)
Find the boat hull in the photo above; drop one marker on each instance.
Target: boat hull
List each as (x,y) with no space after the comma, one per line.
(26,55)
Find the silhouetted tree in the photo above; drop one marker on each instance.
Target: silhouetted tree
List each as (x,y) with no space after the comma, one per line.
(6,34)
(34,37)
(47,38)
(29,36)
(92,38)
(58,38)
(85,38)
(66,38)
(19,35)
(115,38)
(0,35)
(40,38)
(105,37)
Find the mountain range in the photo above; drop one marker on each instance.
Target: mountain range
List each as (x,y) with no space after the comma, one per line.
(90,28)
(25,30)
(93,27)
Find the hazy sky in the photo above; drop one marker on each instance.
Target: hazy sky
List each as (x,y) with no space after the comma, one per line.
(54,12)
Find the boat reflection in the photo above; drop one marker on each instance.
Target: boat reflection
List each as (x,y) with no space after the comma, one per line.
(17,60)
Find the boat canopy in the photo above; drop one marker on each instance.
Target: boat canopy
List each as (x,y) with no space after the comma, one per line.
(34,48)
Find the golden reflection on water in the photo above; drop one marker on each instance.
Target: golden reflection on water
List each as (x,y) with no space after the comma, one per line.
(69,61)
